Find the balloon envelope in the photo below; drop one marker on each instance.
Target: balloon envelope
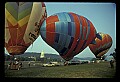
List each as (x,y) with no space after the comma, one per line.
(22,23)
(102,46)
(68,33)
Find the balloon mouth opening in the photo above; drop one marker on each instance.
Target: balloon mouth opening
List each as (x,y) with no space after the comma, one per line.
(16,50)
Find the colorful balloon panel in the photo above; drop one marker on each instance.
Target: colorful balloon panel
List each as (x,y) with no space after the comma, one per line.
(68,33)
(102,46)
(22,23)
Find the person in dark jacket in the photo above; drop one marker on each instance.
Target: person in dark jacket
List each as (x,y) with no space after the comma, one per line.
(112,63)
(29,64)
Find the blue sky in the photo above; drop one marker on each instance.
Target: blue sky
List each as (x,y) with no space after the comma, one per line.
(102,15)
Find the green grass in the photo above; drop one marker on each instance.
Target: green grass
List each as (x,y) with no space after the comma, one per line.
(96,70)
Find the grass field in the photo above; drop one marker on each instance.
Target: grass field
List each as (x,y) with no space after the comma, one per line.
(91,70)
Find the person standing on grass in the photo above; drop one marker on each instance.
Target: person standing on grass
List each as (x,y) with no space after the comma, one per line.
(112,63)
(29,64)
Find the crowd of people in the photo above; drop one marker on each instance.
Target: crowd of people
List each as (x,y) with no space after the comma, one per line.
(15,64)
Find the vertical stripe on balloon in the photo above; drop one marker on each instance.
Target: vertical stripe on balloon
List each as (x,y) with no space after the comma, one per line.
(52,19)
(71,41)
(87,33)
(62,27)
(88,37)
(65,28)
(77,25)
(69,28)
(88,28)
(71,17)
(84,28)
(83,46)
(61,17)
(50,34)
(78,40)
(73,29)
(43,26)
(92,31)
(80,27)
(58,27)
(68,41)
(20,34)
(57,37)
(62,43)
(67,17)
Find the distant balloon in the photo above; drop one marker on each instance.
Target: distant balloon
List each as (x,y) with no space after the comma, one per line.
(68,33)
(22,23)
(102,46)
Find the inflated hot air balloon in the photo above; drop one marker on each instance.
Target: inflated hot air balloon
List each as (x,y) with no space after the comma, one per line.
(68,33)
(102,46)
(22,23)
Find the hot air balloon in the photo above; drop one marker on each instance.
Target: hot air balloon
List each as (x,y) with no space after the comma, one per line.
(22,23)
(102,46)
(68,33)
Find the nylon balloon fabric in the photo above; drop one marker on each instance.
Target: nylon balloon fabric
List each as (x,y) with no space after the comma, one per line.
(102,46)
(22,23)
(68,33)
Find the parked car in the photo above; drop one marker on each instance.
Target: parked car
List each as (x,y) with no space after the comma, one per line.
(48,65)
(73,63)
(56,63)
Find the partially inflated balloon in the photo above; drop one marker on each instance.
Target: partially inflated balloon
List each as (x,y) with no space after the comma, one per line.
(102,46)
(68,33)
(22,23)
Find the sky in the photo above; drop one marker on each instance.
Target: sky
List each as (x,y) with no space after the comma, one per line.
(102,16)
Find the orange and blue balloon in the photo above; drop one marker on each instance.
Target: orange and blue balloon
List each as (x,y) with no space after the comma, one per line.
(68,33)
